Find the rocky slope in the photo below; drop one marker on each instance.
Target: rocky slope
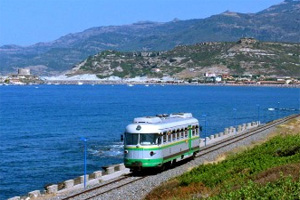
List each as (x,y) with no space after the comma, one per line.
(247,56)
(277,23)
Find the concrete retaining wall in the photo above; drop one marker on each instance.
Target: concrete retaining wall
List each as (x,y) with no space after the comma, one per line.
(94,178)
(228,132)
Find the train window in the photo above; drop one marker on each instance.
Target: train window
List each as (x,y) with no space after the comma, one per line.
(178,135)
(174,136)
(186,133)
(197,131)
(165,138)
(131,139)
(148,139)
(169,138)
(182,134)
(159,139)
(193,132)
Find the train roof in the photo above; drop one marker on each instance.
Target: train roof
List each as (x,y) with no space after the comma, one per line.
(161,123)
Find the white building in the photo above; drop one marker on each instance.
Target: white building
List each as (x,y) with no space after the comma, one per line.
(23,72)
(208,74)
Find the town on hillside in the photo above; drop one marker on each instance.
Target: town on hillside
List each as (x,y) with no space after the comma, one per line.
(24,77)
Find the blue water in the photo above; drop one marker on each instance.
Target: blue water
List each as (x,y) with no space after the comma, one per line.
(41,126)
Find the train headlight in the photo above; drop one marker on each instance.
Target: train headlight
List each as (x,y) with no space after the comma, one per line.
(152,153)
(126,152)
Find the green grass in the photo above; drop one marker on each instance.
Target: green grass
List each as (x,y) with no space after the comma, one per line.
(285,188)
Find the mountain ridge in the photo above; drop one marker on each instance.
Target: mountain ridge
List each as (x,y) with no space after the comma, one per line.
(277,23)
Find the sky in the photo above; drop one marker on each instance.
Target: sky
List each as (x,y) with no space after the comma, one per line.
(26,22)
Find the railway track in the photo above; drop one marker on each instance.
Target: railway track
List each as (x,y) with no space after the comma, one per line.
(225,142)
(125,180)
(105,188)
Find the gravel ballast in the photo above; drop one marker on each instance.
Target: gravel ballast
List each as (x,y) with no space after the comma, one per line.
(139,189)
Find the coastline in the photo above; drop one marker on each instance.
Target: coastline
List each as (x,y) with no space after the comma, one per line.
(88,82)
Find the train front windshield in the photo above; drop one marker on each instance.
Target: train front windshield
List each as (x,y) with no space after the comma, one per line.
(142,139)
(131,139)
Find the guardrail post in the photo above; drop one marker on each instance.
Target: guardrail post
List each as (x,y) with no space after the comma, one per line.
(207,139)
(52,189)
(244,126)
(109,170)
(69,183)
(234,130)
(231,130)
(34,194)
(96,174)
(84,179)
(226,131)
(121,166)
(248,125)
(239,128)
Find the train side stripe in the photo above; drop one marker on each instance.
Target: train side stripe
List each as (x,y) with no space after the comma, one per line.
(154,162)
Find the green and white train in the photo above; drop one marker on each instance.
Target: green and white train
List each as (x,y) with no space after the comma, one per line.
(159,141)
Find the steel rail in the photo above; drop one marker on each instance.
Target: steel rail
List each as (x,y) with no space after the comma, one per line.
(95,188)
(95,195)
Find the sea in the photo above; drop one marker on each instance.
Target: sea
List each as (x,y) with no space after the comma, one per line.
(41,126)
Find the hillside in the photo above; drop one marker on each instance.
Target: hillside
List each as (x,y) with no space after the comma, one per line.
(277,23)
(247,56)
(266,171)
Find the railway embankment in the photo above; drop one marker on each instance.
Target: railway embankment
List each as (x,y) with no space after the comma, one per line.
(139,190)
(269,169)
(212,147)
